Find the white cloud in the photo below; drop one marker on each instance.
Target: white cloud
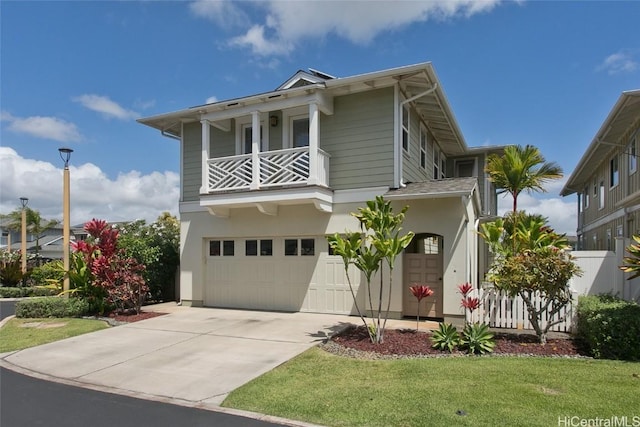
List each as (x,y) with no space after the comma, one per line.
(93,195)
(359,22)
(211,100)
(43,127)
(106,106)
(222,12)
(619,62)
(561,211)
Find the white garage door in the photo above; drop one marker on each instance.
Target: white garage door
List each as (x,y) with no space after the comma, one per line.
(284,274)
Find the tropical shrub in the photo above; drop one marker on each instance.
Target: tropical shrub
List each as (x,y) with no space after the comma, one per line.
(477,339)
(157,247)
(11,274)
(47,274)
(531,259)
(446,338)
(51,307)
(609,327)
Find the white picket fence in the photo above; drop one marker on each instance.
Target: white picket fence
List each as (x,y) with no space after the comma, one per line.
(501,311)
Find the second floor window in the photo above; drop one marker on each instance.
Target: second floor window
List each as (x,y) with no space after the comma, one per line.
(405,128)
(633,159)
(614,172)
(601,201)
(247,135)
(300,132)
(423,148)
(585,198)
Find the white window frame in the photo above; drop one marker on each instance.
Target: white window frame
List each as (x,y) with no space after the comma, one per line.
(423,147)
(288,116)
(632,151)
(241,125)
(406,130)
(456,162)
(292,119)
(436,161)
(585,198)
(601,195)
(614,172)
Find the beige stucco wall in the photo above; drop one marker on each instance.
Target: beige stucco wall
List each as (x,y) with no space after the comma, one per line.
(441,216)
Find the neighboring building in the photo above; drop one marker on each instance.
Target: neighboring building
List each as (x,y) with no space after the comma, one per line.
(265,178)
(607,180)
(48,245)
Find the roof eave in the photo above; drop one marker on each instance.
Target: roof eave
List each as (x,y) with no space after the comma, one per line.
(570,187)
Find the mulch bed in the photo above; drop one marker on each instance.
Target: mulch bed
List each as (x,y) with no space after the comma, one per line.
(354,341)
(129,317)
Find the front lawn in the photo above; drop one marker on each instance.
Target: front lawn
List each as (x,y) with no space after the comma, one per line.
(18,334)
(321,388)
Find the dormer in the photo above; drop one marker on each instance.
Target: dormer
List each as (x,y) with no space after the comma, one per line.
(305,78)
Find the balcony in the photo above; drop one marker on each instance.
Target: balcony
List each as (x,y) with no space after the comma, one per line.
(277,168)
(267,180)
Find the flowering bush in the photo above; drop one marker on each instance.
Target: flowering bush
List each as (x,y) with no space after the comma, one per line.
(102,272)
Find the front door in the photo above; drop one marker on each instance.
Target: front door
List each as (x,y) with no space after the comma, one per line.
(423,269)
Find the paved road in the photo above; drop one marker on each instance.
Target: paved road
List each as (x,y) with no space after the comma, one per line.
(27,401)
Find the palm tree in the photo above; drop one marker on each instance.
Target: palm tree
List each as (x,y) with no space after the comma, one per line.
(520,169)
(36,226)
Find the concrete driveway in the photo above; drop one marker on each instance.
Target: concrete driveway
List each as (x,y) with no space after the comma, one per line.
(193,356)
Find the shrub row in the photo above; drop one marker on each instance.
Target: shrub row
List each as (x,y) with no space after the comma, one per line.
(29,291)
(609,327)
(51,307)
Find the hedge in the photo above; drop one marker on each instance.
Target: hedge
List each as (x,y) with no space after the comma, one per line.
(609,327)
(29,291)
(51,307)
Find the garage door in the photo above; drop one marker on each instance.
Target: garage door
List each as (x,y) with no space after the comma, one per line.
(284,274)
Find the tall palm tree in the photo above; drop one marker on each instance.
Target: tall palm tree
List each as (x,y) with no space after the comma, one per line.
(520,169)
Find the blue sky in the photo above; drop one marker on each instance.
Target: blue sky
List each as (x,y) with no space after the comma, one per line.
(78,74)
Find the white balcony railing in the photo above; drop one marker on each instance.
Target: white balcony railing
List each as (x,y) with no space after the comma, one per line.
(275,168)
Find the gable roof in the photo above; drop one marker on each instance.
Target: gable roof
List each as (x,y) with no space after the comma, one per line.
(624,113)
(304,78)
(418,83)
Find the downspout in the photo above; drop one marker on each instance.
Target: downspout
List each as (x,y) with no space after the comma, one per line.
(398,134)
(168,135)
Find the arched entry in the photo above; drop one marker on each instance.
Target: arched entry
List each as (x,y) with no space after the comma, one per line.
(422,264)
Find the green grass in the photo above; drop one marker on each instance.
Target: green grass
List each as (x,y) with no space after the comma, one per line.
(14,336)
(321,388)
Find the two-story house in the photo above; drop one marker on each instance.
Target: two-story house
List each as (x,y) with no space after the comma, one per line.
(607,181)
(265,178)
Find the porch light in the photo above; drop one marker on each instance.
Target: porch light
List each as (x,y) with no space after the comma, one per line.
(273,120)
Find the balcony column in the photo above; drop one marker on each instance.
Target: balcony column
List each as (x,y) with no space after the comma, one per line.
(255,149)
(206,140)
(314,143)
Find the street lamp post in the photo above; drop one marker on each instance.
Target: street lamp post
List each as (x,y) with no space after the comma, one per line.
(65,155)
(23,245)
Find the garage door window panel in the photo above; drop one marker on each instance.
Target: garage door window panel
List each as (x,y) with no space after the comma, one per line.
(291,247)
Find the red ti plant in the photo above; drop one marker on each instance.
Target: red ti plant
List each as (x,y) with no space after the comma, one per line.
(118,277)
(420,292)
(469,303)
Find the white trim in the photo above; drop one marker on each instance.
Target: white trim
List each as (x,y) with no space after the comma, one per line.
(397,157)
(246,121)
(182,163)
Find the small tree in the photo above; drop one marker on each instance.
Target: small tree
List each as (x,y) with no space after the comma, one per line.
(379,241)
(531,259)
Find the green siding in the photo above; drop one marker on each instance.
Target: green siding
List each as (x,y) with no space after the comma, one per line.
(359,138)
(191,167)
